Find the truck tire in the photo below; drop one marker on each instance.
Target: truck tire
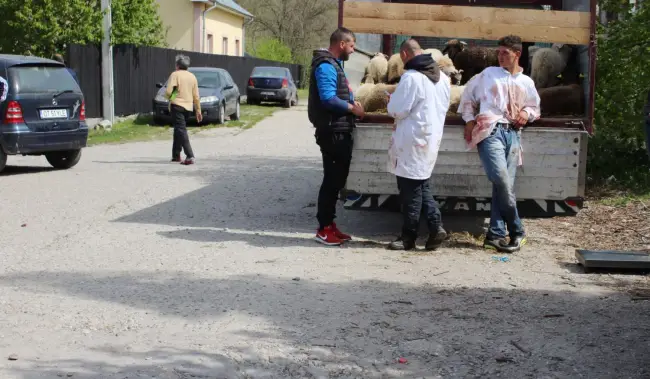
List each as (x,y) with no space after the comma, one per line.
(64,160)
(3,160)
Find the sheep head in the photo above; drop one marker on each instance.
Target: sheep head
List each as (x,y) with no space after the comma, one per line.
(454,47)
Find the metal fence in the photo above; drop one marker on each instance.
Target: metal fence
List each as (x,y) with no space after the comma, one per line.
(136,70)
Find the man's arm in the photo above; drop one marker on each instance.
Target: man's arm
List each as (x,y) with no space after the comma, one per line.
(171,83)
(532,105)
(326,80)
(404,99)
(469,104)
(196,98)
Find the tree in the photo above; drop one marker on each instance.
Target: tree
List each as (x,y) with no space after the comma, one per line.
(44,27)
(623,82)
(274,50)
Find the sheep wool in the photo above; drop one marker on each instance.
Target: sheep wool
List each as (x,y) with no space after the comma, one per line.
(547,64)
(395,69)
(562,100)
(454,98)
(372,96)
(471,60)
(377,70)
(435,53)
(447,66)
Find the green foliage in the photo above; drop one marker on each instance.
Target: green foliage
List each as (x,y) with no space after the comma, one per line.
(44,27)
(274,50)
(623,81)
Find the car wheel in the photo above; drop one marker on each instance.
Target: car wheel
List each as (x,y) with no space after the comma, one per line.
(235,116)
(158,121)
(287,103)
(3,160)
(252,102)
(296,100)
(64,159)
(222,114)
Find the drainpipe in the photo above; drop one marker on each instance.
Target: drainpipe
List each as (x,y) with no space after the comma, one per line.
(203,36)
(243,36)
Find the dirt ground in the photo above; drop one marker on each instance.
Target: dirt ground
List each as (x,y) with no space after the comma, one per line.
(130,267)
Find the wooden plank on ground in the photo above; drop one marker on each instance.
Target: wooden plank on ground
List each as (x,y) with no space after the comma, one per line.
(467,22)
(613,259)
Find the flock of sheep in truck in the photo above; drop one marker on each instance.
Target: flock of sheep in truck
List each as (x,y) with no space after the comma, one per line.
(554,71)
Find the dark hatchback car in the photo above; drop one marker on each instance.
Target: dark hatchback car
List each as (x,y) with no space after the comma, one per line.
(220,97)
(44,112)
(272,84)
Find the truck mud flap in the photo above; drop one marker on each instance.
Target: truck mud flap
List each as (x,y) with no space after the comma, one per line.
(469,205)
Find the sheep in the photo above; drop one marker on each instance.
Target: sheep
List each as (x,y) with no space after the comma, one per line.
(548,63)
(447,66)
(435,53)
(562,100)
(454,98)
(373,96)
(472,60)
(376,70)
(395,69)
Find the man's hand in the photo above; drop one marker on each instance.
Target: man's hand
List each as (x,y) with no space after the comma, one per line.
(199,117)
(469,127)
(522,118)
(357,109)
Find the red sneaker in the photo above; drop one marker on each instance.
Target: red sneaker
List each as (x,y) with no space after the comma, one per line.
(342,236)
(188,161)
(327,236)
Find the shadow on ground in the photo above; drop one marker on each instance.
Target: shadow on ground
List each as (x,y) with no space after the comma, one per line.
(254,194)
(24,170)
(360,328)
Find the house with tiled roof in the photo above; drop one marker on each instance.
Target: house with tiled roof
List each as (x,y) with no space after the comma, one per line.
(208,26)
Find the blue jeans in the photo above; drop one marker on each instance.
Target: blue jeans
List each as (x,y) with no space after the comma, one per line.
(417,199)
(499,154)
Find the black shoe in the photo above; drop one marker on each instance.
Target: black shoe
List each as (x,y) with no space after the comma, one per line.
(515,244)
(435,240)
(494,244)
(400,244)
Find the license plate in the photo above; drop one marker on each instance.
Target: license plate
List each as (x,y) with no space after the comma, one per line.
(54,113)
(268,93)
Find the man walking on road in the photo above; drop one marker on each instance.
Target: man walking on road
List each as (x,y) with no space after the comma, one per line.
(419,107)
(183,94)
(495,105)
(332,111)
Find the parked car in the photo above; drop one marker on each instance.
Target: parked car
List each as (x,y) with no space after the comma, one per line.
(272,84)
(44,112)
(220,97)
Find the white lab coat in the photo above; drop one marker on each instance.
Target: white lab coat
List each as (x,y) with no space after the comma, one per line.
(419,107)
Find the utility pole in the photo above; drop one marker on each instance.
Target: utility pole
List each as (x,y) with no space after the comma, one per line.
(108,104)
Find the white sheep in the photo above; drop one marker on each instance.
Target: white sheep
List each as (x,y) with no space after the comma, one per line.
(373,96)
(454,97)
(395,69)
(435,53)
(548,63)
(376,70)
(446,65)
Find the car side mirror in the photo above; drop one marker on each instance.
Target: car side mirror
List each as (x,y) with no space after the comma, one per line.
(159,85)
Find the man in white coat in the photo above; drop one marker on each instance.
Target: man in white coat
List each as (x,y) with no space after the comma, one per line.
(419,106)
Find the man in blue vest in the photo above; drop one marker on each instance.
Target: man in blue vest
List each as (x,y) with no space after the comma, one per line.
(332,111)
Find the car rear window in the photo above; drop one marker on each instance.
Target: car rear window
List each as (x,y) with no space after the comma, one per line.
(269,72)
(40,78)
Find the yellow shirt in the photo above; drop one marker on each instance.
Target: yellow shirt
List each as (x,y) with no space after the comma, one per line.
(188,90)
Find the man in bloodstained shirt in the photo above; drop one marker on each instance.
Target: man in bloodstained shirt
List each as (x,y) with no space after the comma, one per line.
(495,106)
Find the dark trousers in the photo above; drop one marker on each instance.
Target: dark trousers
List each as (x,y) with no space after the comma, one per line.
(416,198)
(181,139)
(336,148)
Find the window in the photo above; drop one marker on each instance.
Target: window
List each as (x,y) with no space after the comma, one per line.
(41,78)
(210,47)
(237,51)
(224,46)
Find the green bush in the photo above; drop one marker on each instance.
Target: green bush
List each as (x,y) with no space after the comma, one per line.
(617,150)
(273,49)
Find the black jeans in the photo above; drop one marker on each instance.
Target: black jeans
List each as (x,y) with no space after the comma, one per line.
(416,198)
(181,139)
(336,148)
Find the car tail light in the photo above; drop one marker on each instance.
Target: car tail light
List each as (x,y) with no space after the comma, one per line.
(82,112)
(14,113)
(285,83)
(250,82)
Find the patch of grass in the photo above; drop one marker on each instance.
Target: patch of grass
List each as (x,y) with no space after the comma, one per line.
(142,128)
(303,95)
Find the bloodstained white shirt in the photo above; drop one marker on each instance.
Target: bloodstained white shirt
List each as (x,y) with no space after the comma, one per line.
(497,96)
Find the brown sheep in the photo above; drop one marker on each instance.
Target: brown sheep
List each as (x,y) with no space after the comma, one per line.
(562,101)
(472,60)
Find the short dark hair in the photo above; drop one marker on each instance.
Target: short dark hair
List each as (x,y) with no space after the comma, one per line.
(512,42)
(410,45)
(59,58)
(341,34)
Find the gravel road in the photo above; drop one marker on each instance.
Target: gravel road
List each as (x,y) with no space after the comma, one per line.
(128,266)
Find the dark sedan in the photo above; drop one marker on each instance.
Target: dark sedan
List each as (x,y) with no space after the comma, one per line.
(272,84)
(220,97)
